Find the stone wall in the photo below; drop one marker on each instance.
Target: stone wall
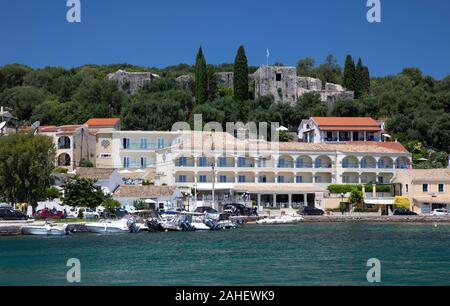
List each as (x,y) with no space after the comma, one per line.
(131,82)
(279,82)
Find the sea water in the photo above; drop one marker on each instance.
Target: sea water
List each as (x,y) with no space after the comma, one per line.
(303,254)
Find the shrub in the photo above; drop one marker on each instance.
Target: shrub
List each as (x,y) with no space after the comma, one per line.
(61,170)
(52,193)
(402,202)
(346,188)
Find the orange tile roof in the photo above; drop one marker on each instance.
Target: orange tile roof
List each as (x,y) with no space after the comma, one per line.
(346,123)
(102,121)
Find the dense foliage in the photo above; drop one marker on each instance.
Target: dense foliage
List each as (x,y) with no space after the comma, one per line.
(346,188)
(416,108)
(26,164)
(82,192)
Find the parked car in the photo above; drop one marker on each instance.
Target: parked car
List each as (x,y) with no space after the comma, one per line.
(87,213)
(8,213)
(49,213)
(237,209)
(311,211)
(440,212)
(211,213)
(404,212)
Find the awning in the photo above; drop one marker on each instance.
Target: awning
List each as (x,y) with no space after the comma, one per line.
(272,188)
(379,201)
(433,200)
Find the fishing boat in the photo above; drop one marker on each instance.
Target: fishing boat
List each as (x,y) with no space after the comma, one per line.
(48,229)
(281,220)
(124,225)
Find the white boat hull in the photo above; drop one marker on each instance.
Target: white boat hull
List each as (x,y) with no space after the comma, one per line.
(281,220)
(108,227)
(45,230)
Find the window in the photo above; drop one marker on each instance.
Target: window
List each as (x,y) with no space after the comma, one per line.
(300,163)
(318,179)
(182,162)
(278,76)
(318,163)
(263,179)
(222,162)
(143,162)
(202,178)
(222,179)
(144,143)
(280,179)
(345,163)
(241,162)
(202,162)
(126,143)
(182,179)
(241,179)
(299,179)
(407,188)
(126,162)
(281,163)
(364,163)
(161,143)
(441,188)
(262,163)
(424,187)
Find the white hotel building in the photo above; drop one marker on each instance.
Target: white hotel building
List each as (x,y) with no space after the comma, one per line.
(272,174)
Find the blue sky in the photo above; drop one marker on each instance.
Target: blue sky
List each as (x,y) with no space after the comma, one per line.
(413,33)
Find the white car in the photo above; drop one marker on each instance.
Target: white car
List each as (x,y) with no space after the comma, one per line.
(87,213)
(440,212)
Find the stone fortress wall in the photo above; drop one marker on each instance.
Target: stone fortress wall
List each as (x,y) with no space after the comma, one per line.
(131,82)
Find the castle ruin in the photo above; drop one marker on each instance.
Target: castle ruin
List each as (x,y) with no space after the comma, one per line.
(131,82)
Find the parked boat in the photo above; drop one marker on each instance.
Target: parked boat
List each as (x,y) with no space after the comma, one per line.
(123,225)
(281,220)
(188,222)
(226,224)
(48,229)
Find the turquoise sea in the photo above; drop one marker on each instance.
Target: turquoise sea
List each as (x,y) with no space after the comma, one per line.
(303,254)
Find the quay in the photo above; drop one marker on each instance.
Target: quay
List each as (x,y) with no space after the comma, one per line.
(15,228)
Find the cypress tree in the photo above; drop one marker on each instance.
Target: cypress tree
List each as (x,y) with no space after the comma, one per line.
(240,82)
(349,73)
(359,79)
(366,80)
(201,78)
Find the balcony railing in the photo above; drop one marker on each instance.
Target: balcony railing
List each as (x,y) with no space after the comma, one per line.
(139,146)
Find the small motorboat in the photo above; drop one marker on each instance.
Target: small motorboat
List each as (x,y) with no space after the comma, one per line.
(226,224)
(281,220)
(124,225)
(48,229)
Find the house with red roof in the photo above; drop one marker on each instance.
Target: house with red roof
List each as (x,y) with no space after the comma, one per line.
(341,129)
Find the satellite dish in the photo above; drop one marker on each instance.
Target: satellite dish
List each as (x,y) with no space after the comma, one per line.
(35,126)
(2,125)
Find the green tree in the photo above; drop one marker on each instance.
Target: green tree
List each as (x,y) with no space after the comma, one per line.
(349,73)
(26,165)
(366,80)
(82,192)
(359,79)
(111,205)
(22,100)
(240,82)
(305,66)
(13,75)
(201,78)
(356,197)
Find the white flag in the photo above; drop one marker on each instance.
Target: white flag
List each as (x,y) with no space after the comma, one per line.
(267,52)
